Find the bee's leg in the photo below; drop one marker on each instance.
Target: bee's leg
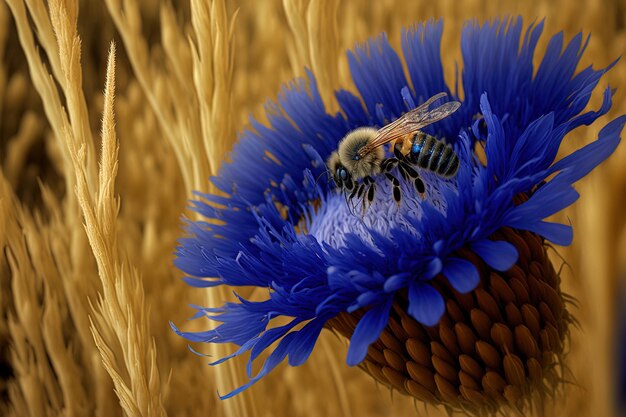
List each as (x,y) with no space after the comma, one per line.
(368,197)
(348,184)
(363,206)
(410,171)
(366,184)
(419,185)
(360,190)
(404,166)
(367,181)
(348,187)
(356,195)
(370,194)
(402,170)
(354,189)
(352,194)
(388,164)
(397,151)
(397,193)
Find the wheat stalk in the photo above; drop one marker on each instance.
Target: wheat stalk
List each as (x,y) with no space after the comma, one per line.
(315,45)
(201,129)
(120,316)
(66,246)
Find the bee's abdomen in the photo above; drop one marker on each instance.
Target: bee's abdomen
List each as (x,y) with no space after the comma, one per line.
(434,155)
(448,164)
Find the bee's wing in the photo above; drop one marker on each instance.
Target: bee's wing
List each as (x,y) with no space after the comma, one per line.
(411,122)
(416,113)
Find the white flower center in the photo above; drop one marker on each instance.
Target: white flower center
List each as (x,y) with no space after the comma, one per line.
(340,216)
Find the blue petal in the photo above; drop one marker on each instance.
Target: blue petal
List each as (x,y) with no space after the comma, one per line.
(494,63)
(367,331)
(425,304)
(559,234)
(276,357)
(396,282)
(581,162)
(497,147)
(461,274)
(378,75)
(303,346)
(433,268)
(548,200)
(242,349)
(421,46)
(266,339)
(353,108)
(499,255)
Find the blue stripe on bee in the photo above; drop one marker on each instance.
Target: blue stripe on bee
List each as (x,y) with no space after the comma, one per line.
(417,147)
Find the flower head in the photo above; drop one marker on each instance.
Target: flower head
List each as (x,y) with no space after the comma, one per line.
(283,226)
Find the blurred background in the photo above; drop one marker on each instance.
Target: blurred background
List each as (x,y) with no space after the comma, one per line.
(85,311)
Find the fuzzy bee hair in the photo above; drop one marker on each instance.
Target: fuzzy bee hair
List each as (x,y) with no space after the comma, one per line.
(348,153)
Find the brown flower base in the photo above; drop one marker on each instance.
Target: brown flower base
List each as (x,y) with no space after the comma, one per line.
(493,346)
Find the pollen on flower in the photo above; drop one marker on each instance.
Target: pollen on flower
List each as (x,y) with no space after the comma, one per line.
(339,216)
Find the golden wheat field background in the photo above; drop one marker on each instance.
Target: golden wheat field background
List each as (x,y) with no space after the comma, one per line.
(113,112)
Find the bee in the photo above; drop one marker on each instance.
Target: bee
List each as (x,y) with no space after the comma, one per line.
(360,155)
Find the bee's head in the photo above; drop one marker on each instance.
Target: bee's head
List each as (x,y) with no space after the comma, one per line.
(339,173)
(349,153)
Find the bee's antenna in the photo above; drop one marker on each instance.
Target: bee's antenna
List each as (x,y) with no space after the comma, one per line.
(327,172)
(363,207)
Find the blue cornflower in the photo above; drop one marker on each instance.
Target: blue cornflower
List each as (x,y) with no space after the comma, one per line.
(473,243)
